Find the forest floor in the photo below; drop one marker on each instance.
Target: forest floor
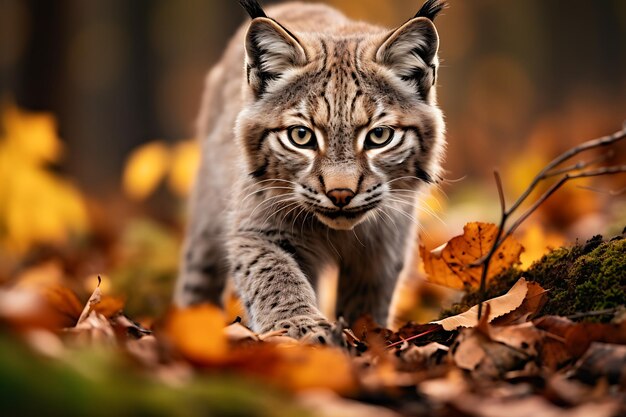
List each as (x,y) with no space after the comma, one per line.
(538,332)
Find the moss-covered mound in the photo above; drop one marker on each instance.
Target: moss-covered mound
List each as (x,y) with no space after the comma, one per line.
(583,278)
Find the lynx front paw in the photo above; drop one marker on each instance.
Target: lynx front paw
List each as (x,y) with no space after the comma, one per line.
(312,330)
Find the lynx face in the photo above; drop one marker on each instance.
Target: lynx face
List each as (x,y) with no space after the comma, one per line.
(339,126)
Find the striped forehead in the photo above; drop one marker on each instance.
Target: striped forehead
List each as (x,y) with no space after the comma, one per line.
(337,101)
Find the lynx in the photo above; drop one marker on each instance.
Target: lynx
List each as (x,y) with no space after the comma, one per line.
(318,134)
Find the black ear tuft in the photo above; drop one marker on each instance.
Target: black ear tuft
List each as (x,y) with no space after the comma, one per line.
(431,9)
(253,8)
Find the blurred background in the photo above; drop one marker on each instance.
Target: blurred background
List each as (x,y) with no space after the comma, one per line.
(99,99)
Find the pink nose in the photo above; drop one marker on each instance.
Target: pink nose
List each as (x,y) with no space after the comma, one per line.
(340,197)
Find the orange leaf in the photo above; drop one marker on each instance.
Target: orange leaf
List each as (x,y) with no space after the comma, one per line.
(302,368)
(64,303)
(109,306)
(452,265)
(198,333)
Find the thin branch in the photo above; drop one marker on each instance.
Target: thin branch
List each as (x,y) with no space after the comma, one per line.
(417,336)
(549,171)
(605,312)
(580,165)
(612,193)
(568,177)
(567,155)
(504,215)
(496,174)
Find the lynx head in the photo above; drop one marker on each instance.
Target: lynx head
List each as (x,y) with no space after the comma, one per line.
(345,120)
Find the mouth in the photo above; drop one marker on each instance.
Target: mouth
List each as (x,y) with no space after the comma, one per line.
(344,219)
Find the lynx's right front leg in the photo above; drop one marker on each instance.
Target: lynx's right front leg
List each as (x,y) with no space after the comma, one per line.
(274,289)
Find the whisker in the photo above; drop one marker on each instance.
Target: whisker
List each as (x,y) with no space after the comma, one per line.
(265,189)
(404,214)
(293,223)
(295,207)
(390,219)
(284,197)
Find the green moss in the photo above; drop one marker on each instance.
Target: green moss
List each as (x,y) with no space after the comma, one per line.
(582,278)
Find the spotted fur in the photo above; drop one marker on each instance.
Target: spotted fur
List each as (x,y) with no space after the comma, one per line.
(262,211)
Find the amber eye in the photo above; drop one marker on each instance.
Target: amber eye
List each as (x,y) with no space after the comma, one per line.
(302,137)
(378,137)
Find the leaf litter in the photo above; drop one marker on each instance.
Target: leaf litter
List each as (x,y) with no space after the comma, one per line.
(507,363)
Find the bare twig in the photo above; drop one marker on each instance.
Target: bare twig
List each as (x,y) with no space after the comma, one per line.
(566,156)
(612,193)
(487,260)
(417,336)
(568,173)
(595,173)
(581,165)
(605,312)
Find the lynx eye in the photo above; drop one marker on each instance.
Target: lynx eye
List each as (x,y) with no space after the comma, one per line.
(302,137)
(378,137)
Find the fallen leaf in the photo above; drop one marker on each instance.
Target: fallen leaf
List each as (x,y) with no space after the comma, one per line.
(197,333)
(535,299)
(491,351)
(93,300)
(452,266)
(577,337)
(525,338)
(419,357)
(499,306)
(603,360)
(479,406)
(64,302)
(237,332)
(304,367)
(93,330)
(324,403)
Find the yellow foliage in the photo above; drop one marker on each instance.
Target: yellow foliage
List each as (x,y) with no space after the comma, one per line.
(32,135)
(149,164)
(185,162)
(35,204)
(538,242)
(145,169)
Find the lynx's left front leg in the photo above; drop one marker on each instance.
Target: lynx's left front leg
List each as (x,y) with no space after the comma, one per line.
(368,277)
(275,290)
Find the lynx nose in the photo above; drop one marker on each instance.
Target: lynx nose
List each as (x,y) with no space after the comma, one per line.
(340,197)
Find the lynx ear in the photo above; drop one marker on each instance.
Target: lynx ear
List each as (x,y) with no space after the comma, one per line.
(270,51)
(411,53)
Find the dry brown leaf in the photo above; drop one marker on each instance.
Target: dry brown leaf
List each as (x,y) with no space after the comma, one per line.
(523,337)
(419,357)
(109,306)
(324,403)
(603,361)
(478,406)
(491,352)
(93,300)
(535,299)
(577,337)
(93,330)
(499,306)
(64,302)
(24,309)
(451,265)
(237,332)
